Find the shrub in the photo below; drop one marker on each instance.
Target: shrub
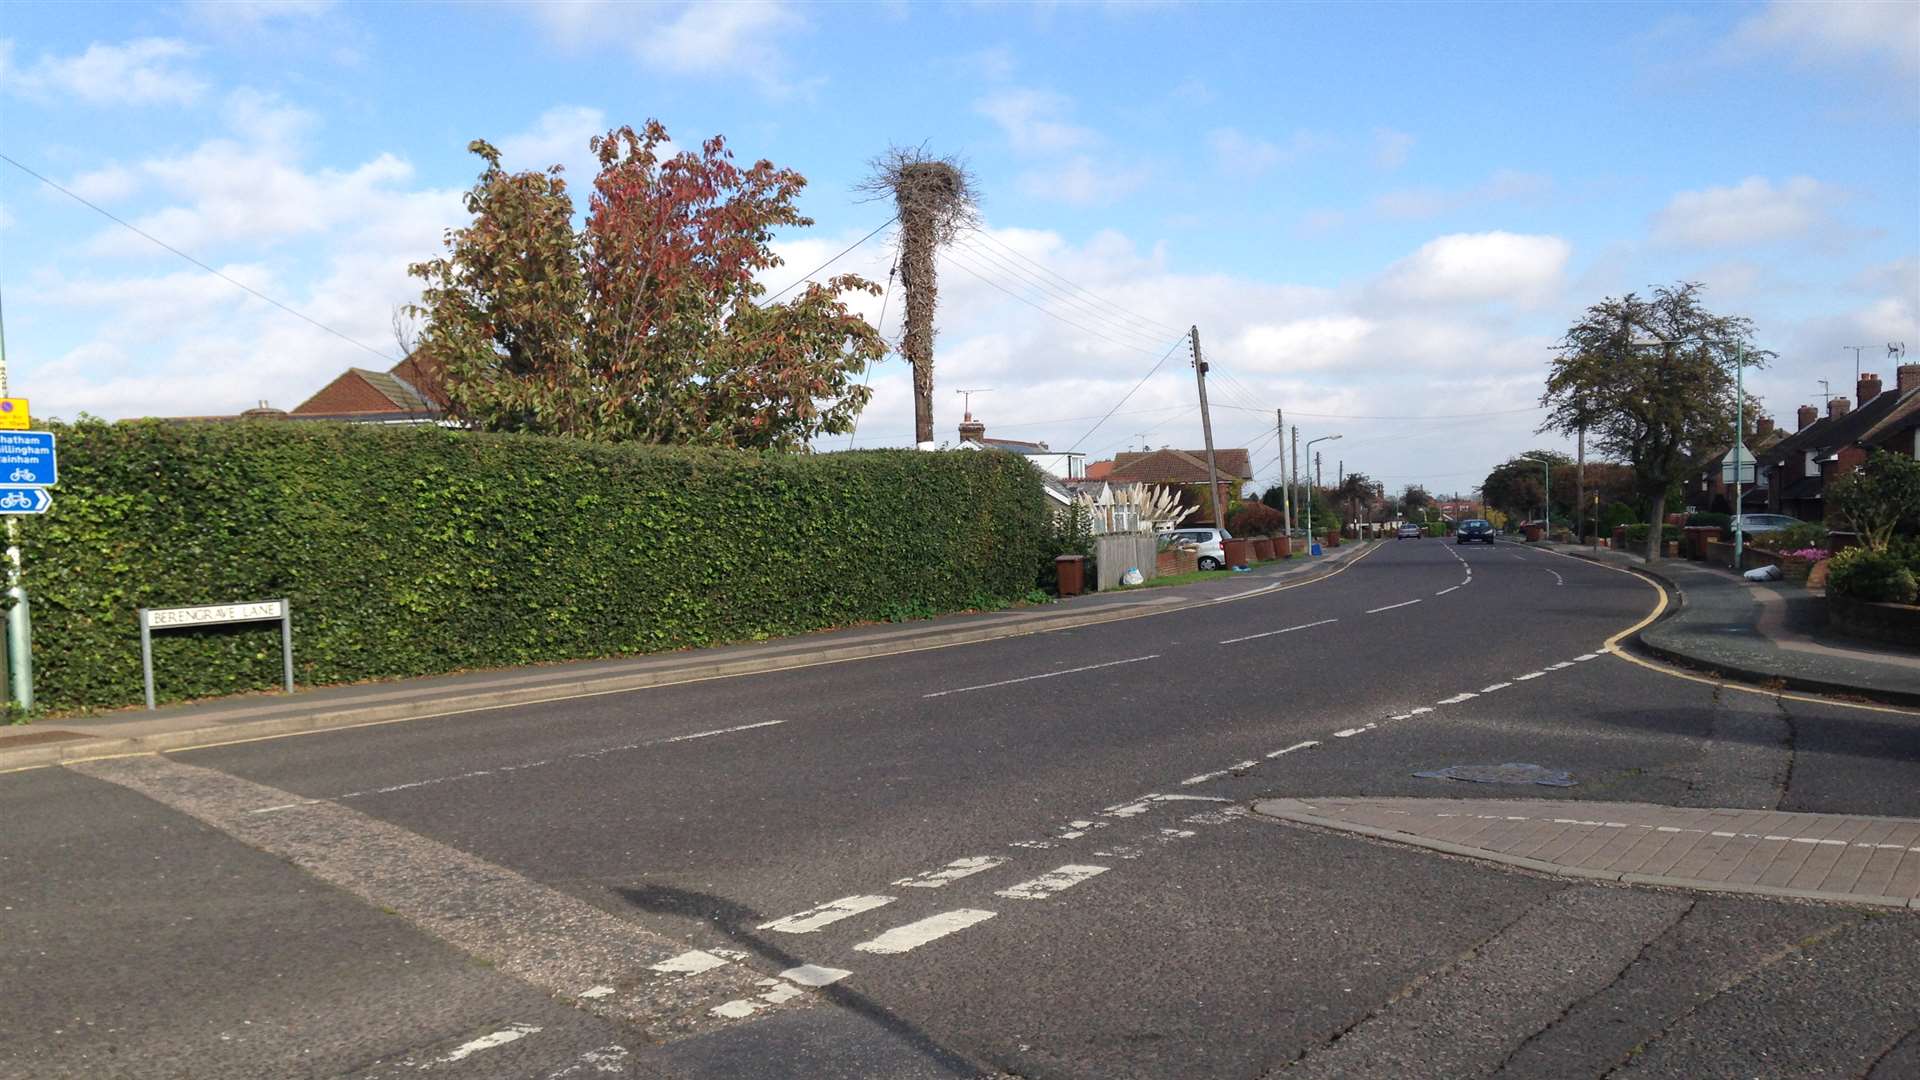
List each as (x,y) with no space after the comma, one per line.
(1068,532)
(1718,521)
(1637,535)
(1804,535)
(1255,519)
(417,550)
(1875,576)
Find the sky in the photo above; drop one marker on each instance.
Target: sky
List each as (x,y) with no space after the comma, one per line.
(1380,217)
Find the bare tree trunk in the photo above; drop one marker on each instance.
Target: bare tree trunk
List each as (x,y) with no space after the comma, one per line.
(1657,528)
(917,278)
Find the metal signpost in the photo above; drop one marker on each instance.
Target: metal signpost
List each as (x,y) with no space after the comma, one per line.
(152,619)
(29,465)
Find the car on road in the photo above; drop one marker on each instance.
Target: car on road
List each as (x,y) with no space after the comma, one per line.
(1213,554)
(1409,531)
(1474,529)
(1752,524)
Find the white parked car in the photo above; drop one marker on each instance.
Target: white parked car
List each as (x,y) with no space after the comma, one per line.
(1213,555)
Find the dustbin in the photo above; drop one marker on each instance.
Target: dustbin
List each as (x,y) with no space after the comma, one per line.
(1533,533)
(1071,570)
(1235,551)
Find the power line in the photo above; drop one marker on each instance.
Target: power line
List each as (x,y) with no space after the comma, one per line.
(1047,290)
(962,264)
(135,229)
(1136,389)
(829,262)
(1432,416)
(1157,326)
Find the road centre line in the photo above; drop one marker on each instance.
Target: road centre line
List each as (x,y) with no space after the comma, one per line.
(915,934)
(1528,675)
(1446,590)
(812,919)
(711,734)
(1456,699)
(1495,686)
(1042,675)
(1270,633)
(1241,766)
(1390,607)
(1295,746)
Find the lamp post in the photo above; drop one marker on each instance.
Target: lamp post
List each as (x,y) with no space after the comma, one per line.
(1546,466)
(1310,442)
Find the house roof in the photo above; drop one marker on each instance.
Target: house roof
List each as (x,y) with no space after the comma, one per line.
(1904,416)
(1019,447)
(1098,470)
(358,391)
(1807,438)
(1179,466)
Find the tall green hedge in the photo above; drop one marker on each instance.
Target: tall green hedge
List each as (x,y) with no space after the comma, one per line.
(418,550)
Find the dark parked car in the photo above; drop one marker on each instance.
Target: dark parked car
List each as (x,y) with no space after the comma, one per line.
(1474,529)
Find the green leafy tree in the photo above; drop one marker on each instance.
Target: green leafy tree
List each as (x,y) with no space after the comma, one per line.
(1659,408)
(1878,497)
(643,325)
(1516,485)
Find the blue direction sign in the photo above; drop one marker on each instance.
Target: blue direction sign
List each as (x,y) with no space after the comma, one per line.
(27,458)
(24,500)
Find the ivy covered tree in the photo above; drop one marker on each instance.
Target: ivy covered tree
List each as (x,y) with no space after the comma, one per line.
(1652,380)
(644,324)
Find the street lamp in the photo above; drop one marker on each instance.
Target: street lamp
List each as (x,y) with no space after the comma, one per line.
(1546,466)
(1310,442)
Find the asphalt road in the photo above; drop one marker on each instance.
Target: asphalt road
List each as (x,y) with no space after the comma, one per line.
(1029,857)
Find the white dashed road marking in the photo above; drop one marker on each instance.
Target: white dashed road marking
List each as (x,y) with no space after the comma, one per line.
(953,871)
(1446,590)
(687,963)
(1042,675)
(1390,607)
(1528,675)
(814,975)
(717,731)
(915,934)
(1241,766)
(1270,633)
(510,1033)
(1053,881)
(1456,699)
(806,922)
(1295,746)
(1495,686)
(1587,656)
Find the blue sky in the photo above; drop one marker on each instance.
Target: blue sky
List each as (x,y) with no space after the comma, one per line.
(1369,210)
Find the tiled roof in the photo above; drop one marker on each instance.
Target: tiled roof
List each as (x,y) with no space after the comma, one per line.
(1903,416)
(1179,466)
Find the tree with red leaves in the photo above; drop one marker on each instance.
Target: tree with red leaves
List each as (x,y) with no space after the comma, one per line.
(643,325)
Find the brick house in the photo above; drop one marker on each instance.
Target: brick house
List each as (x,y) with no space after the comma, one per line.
(410,392)
(1184,469)
(1796,469)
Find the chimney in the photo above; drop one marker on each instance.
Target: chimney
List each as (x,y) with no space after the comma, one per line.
(1868,389)
(1909,377)
(972,429)
(1838,408)
(1763,427)
(1808,414)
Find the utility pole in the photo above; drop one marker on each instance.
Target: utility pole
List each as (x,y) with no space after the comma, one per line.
(1317,481)
(1294,483)
(1286,490)
(1206,429)
(19,617)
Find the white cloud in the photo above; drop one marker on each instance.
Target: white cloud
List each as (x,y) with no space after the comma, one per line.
(1479,268)
(145,71)
(1835,31)
(108,184)
(687,38)
(1503,185)
(1081,181)
(1034,120)
(559,137)
(1243,155)
(1390,148)
(1754,211)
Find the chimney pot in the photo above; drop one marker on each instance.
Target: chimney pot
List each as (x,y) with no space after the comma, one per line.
(1908,377)
(1839,407)
(1808,414)
(1868,388)
(972,429)
(1763,426)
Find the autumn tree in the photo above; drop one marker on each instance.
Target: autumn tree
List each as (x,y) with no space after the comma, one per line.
(1652,379)
(643,325)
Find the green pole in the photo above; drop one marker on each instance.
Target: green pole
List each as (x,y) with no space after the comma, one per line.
(19,622)
(1739,450)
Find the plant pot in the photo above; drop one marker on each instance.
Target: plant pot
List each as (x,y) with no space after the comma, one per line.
(1263,548)
(1533,533)
(1235,551)
(1282,547)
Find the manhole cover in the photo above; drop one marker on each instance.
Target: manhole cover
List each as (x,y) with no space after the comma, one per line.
(1513,772)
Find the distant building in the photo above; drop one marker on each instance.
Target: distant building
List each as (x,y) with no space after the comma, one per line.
(410,392)
(1059,464)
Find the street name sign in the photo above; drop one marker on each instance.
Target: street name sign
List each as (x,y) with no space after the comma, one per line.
(24,500)
(27,457)
(180,618)
(13,414)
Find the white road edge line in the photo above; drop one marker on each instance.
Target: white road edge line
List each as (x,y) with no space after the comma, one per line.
(1270,633)
(915,934)
(1043,675)
(1446,590)
(1390,607)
